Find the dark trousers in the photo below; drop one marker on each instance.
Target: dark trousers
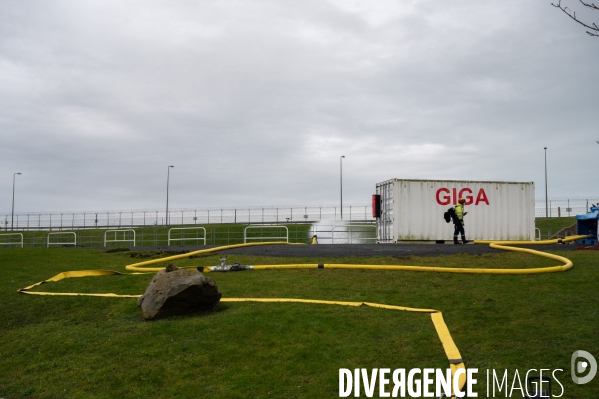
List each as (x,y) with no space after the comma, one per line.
(459,228)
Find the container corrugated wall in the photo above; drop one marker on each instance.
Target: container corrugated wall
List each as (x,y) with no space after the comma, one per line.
(412,210)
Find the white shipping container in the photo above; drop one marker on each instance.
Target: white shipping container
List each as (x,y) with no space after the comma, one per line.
(412,210)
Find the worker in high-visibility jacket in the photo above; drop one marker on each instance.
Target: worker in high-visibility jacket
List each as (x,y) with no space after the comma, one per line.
(458,222)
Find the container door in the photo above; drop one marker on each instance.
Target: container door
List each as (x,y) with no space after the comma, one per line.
(384,223)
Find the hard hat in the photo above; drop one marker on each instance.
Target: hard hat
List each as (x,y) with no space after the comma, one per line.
(461,200)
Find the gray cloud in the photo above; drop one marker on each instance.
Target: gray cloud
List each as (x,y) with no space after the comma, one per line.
(254,102)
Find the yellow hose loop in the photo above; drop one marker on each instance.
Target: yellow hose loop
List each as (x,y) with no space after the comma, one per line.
(427,268)
(503,245)
(138,266)
(493,244)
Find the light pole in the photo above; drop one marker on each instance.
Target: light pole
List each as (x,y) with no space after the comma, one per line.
(546,200)
(12,217)
(168,174)
(341,182)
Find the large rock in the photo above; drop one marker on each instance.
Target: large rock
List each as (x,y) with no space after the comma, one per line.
(178,291)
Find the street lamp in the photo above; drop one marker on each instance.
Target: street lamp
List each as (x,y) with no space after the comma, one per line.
(546,208)
(168,173)
(13,200)
(341,182)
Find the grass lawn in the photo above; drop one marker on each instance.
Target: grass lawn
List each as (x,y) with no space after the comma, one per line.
(550,226)
(86,347)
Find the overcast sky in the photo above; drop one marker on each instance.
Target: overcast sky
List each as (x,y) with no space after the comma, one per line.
(254,101)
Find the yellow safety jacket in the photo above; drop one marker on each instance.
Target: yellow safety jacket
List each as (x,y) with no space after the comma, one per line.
(459,211)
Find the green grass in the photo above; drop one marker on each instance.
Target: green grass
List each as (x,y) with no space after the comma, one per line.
(550,226)
(86,347)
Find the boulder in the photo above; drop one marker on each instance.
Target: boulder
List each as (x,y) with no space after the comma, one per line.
(178,291)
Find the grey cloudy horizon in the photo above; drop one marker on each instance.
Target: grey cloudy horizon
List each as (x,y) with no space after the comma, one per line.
(254,102)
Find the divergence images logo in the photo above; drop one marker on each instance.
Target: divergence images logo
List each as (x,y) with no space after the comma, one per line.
(581,366)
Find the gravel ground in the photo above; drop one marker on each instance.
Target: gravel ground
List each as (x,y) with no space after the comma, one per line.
(343,250)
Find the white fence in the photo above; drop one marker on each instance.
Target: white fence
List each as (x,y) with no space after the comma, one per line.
(62,238)
(9,241)
(182,234)
(120,236)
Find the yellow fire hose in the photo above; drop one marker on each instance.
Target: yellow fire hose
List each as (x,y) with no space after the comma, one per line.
(451,350)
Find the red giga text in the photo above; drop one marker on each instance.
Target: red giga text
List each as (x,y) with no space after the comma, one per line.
(446,197)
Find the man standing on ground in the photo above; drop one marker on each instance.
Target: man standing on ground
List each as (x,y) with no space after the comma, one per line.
(458,222)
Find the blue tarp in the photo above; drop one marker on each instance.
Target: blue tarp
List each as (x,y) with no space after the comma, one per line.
(588,216)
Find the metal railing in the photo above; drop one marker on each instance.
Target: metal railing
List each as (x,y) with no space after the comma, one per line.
(263,238)
(55,238)
(10,241)
(119,233)
(564,206)
(183,217)
(182,230)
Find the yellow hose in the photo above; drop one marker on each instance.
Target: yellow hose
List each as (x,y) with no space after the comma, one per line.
(138,266)
(503,245)
(451,350)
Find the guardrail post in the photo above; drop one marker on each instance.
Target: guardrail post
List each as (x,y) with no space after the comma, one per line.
(169,239)
(115,236)
(245,237)
(61,243)
(9,235)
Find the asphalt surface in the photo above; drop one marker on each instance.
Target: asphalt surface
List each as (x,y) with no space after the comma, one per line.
(344,250)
